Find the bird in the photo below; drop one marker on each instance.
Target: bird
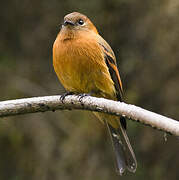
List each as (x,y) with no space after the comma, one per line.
(86,64)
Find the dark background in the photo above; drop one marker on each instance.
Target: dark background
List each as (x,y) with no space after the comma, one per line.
(73,144)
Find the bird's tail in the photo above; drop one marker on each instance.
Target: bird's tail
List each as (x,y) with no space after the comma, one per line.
(125,157)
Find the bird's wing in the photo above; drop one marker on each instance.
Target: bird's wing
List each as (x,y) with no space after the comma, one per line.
(110,61)
(123,150)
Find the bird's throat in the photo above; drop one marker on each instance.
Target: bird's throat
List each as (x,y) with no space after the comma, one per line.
(66,34)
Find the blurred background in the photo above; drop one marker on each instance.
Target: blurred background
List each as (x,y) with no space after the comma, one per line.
(73,144)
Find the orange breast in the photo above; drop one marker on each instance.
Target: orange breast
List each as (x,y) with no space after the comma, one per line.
(80,66)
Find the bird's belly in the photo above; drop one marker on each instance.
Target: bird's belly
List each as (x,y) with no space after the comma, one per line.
(75,75)
(83,75)
(75,79)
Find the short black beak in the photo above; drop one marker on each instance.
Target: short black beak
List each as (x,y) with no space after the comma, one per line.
(66,23)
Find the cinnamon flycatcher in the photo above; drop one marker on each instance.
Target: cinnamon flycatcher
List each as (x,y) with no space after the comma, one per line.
(85,63)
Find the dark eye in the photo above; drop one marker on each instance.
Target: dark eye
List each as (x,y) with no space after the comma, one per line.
(80,22)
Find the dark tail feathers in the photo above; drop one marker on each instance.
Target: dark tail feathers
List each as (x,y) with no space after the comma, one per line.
(125,157)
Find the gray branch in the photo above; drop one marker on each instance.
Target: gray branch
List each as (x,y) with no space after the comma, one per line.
(53,103)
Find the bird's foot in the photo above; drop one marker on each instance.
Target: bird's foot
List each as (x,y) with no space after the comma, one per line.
(82,95)
(64,95)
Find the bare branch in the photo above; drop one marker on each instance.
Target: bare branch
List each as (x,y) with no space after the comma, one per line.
(52,103)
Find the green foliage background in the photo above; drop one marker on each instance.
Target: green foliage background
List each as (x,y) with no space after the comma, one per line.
(73,144)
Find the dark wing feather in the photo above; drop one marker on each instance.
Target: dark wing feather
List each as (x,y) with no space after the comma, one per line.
(114,75)
(110,61)
(123,150)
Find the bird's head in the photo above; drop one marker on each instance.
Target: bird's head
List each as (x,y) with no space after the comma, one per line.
(75,23)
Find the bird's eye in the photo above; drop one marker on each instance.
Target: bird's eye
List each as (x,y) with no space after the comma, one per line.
(80,22)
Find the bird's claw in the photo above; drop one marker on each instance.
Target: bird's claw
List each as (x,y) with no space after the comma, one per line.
(81,96)
(64,95)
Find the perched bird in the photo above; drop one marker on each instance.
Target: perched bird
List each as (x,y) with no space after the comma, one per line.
(85,63)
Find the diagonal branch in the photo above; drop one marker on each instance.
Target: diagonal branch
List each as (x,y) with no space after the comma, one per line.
(52,103)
